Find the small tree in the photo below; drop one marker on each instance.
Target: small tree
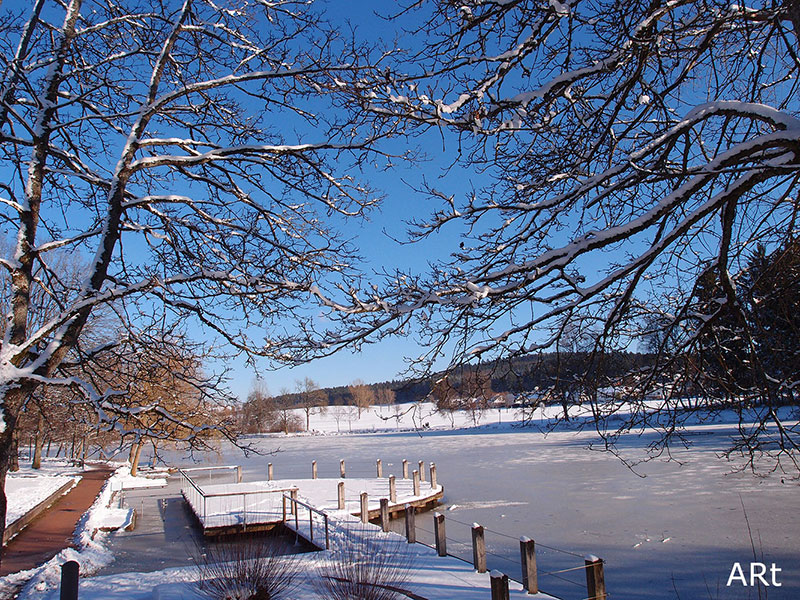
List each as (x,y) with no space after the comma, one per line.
(361,395)
(312,399)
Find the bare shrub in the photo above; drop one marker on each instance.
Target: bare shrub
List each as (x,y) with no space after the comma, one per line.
(245,569)
(366,569)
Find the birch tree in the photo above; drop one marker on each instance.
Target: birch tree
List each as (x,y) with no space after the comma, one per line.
(621,151)
(198,154)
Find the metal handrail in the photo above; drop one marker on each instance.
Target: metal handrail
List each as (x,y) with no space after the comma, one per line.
(311,510)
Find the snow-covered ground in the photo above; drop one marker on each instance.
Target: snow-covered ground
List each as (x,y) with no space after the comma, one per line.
(431,576)
(28,487)
(90,538)
(666,529)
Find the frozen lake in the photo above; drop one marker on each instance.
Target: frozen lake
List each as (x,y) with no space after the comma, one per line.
(674,532)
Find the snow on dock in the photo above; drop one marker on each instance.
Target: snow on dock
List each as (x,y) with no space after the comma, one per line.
(223,508)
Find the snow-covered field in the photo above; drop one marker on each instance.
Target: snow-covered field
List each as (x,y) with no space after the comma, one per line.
(28,487)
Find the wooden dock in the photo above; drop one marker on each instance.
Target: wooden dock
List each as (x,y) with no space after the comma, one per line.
(234,507)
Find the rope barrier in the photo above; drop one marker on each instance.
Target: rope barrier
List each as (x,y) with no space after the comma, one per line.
(580,585)
(511,537)
(582,567)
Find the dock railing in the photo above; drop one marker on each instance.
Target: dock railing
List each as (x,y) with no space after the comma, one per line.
(232,507)
(311,516)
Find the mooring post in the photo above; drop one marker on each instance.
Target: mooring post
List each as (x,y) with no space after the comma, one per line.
(595,579)
(392,489)
(530,578)
(405,469)
(341,468)
(416,482)
(341,495)
(422,470)
(411,528)
(438,533)
(434,482)
(499,583)
(478,548)
(293,494)
(239,474)
(69,580)
(385,514)
(313,469)
(270,472)
(364,507)
(379,468)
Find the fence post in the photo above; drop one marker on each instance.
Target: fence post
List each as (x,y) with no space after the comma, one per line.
(438,533)
(313,469)
(530,578)
(405,469)
(416,483)
(411,528)
(364,507)
(434,482)
(270,472)
(379,468)
(478,548)
(341,468)
(499,582)
(341,495)
(239,474)
(385,514)
(392,489)
(69,580)
(595,578)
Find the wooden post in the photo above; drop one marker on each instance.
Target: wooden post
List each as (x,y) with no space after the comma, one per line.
(269,472)
(379,468)
(499,583)
(434,482)
(341,495)
(530,578)
(364,507)
(313,469)
(239,474)
(422,470)
(438,533)
(595,579)
(405,469)
(478,548)
(385,514)
(341,468)
(69,580)
(416,482)
(411,527)
(392,489)
(294,511)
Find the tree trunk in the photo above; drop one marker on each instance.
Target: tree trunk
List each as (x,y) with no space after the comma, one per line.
(136,451)
(13,465)
(38,442)
(84,449)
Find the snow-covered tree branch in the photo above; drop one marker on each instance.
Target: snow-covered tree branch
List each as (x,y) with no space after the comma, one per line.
(630,149)
(198,155)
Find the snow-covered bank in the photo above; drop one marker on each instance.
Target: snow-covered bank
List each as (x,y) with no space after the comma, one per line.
(428,575)
(28,487)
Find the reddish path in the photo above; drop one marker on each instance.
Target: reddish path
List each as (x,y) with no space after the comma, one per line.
(52,532)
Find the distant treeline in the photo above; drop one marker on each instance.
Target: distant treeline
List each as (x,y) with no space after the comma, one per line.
(517,375)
